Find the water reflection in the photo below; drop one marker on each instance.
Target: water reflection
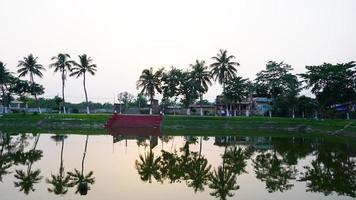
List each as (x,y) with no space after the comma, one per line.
(279,164)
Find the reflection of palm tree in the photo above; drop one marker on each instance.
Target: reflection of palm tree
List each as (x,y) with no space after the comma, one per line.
(149,167)
(79,179)
(60,182)
(198,173)
(26,180)
(5,161)
(222,181)
(236,159)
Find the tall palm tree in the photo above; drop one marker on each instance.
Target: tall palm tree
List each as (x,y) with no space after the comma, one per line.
(63,65)
(223,69)
(61,181)
(202,77)
(5,76)
(79,179)
(29,65)
(81,69)
(150,82)
(27,180)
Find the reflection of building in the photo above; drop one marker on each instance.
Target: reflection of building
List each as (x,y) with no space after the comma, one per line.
(153,140)
(260,143)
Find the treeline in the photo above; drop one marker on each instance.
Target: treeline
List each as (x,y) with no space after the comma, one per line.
(330,83)
(13,86)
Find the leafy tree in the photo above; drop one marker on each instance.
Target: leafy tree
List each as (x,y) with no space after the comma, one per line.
(188,88)
(81,69)
(331,84)
(223,69)
(5,78)
(201,76)
(140,100)
(29,65)
(237,90)
(150,82)
(306,106)
(62,64)
(278,82)
(170,85)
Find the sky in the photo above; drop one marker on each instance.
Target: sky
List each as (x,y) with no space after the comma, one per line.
(124,37)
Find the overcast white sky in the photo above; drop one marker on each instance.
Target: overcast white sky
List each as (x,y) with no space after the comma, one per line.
(124,37)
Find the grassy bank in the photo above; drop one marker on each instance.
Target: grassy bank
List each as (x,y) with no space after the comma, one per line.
(181,125)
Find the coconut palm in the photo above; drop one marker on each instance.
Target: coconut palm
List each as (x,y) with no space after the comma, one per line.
(61,181)
(29,65)
(202,77)
(150,82)
(63,65)
(222,181)
(27,179)
(79,179)
(223,69)
(81,69)
(5,156)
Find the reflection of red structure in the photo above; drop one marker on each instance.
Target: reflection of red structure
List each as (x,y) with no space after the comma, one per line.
(134,124)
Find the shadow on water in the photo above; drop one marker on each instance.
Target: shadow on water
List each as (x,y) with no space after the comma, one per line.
(279,163)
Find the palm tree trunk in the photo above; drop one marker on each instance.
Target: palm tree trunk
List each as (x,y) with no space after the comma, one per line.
(85,153)
(227,109)
(200,145)
(86,95)
(240,108)
(3,99)
(32,82)
(64,102)
(151,106)
(201,105)
(61,165)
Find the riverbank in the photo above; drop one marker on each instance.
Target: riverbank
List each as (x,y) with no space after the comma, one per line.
(181,125)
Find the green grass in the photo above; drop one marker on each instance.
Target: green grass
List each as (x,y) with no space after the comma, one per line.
(179,125)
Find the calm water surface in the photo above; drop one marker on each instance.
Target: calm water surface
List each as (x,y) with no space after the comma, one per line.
(48,166)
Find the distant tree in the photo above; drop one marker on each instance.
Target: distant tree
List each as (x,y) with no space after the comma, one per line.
(306,106)
(201,76)
(331,84)
(63,65)
(223,69)
(150,82)
(125,98)
(29,65)
(81,69)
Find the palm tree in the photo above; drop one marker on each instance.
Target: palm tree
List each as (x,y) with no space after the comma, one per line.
(202,77)
(60,182)
(79,179)
(150,82)
(5,75)
(29,65)
(222,182)
(62,64)
(26,180)
(81,69)
(223,69)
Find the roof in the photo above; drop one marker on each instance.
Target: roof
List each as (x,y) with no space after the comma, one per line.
(16,102)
